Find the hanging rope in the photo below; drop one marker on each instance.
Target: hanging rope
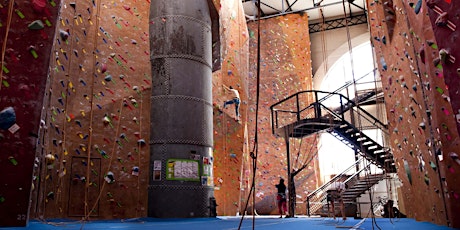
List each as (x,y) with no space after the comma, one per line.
(430,125)
(138,157)
(245,136)
(350,51)
(323,41)
(112,153)
(65,120)
(90,141)
(5,40)
(254,152)
(309,156)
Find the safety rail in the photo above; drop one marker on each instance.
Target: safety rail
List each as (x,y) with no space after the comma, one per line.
(318,198)
(311,104)
(357,81)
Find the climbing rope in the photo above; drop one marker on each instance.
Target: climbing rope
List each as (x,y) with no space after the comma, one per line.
(112,153)
(431,129)
(359,126)
(323,41)
(139,145)
(254,152)
(5,40)
(90,141)
(65,120)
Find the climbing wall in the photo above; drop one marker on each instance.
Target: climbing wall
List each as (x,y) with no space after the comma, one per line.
(444,17)
(230,138)
(27,31)
(95,121)
(285,69)
(415,44)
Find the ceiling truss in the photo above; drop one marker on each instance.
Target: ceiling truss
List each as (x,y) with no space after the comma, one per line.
(337,23)
(341,9)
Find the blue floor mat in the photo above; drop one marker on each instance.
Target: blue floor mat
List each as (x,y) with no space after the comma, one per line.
(233,223)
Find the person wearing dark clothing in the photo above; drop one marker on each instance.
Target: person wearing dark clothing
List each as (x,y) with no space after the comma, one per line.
(281,198)
(391,212)
(334,193)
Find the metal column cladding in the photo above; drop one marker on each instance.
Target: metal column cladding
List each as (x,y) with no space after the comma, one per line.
(181,110)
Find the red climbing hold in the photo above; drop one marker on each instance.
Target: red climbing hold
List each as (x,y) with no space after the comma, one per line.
(38,5)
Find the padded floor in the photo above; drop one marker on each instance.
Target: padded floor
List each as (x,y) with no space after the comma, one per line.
(232,223)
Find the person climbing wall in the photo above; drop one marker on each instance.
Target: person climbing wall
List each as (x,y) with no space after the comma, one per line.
(235,100)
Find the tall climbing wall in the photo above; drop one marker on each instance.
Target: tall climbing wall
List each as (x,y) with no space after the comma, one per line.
(27,31)
(95,122)
(230,138)
(445,20)
(285,69)
(416,49)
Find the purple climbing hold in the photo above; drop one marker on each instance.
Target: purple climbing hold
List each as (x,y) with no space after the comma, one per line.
(7,118)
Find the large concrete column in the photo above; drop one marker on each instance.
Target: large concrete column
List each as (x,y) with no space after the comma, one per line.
(181,113)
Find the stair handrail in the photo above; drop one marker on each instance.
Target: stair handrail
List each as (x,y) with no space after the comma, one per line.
(340,115)
(366,167)
(347,84)
(320,190)
(335,178)
(274,112)
(319,193)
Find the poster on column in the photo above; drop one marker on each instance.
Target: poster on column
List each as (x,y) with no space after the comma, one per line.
(182,169)
(207,179)
(157,170)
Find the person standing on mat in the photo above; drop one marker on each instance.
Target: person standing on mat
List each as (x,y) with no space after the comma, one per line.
(281,198)
(235,100)
(334,193)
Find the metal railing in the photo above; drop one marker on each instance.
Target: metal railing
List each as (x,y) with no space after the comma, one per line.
(318,198)
(322,105)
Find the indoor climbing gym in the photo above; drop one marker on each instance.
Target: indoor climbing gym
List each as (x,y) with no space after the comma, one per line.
(230,114)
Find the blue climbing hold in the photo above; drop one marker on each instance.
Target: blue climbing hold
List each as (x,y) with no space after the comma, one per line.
(7,118)
(383,63)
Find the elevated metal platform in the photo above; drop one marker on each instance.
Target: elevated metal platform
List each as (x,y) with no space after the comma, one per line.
(312,111)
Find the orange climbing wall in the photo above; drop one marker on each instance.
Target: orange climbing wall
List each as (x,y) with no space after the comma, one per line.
(421,98)
(23,79)
(95,157)
(230,139)
(289,72)
(285,69)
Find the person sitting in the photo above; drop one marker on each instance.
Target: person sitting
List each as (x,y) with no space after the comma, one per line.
(391,212)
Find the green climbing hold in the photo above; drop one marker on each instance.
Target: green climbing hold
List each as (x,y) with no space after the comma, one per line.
(433,165)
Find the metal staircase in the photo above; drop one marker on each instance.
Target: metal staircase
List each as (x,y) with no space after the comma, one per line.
(357,183)
(312,111)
